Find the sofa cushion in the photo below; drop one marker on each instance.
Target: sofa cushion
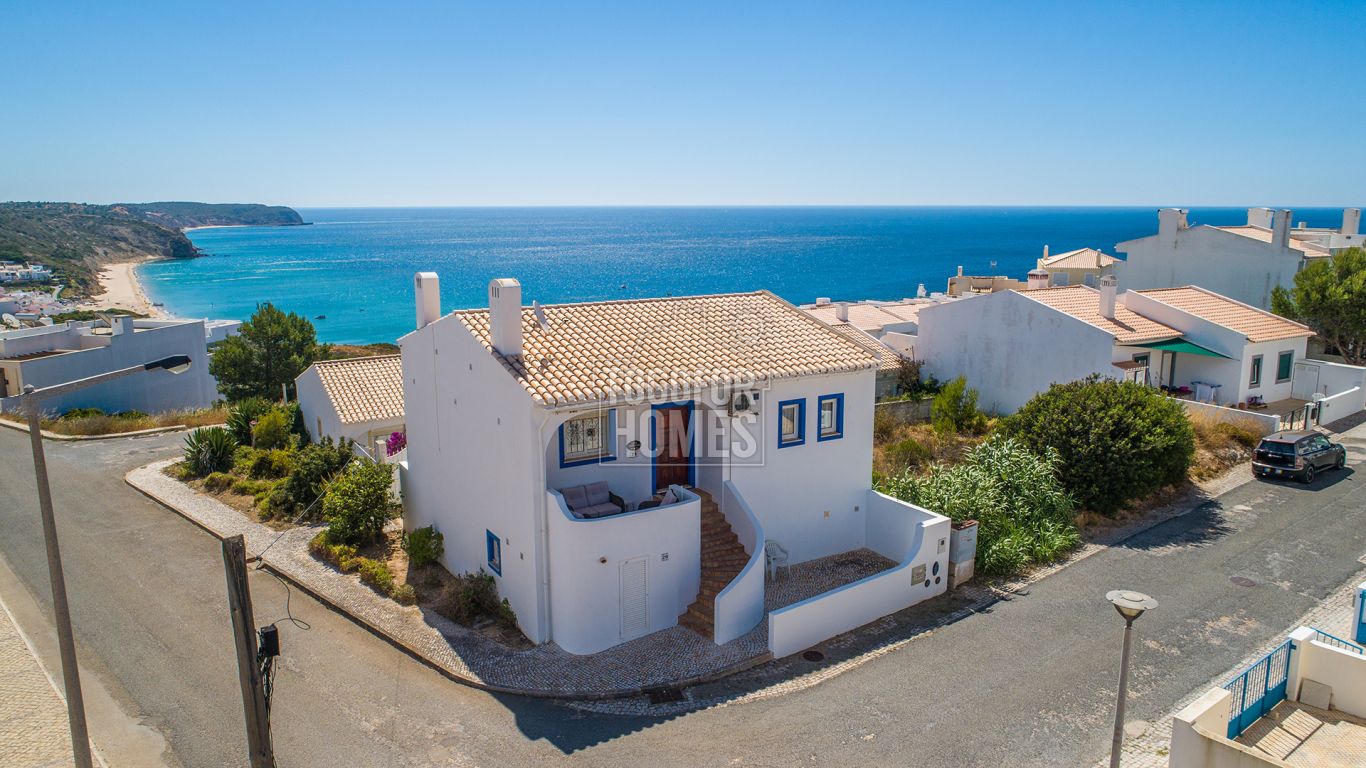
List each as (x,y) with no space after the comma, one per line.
(598,510)
(575,497)
(597,493)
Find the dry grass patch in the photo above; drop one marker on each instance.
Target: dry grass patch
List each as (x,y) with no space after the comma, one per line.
(1221,445)
(88,422)
(898,446)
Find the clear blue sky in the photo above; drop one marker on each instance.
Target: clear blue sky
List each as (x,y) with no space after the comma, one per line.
(640,103)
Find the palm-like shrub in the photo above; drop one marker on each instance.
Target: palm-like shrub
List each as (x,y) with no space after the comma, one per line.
(209,450)
(1023,513)
(243,413)
(1118,441)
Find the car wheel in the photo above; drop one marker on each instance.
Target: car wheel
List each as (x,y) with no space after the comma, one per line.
(1308,476)
(1342,461)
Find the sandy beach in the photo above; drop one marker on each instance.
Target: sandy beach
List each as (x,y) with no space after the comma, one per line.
(120,289)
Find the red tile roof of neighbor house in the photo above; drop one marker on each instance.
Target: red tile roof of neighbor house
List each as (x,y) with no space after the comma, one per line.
(364,388)
(651,347)
(1083,303)
(1082,258)
(1256,324)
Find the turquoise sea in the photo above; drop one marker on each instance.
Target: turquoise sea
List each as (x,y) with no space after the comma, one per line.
(354,266)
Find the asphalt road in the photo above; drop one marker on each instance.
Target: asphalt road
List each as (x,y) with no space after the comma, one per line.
(1029,682)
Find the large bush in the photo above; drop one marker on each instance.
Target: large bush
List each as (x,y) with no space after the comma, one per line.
(955,410)
(1023,513)
(271,430)
(1118,441)
(424,546)
(314,466)
(209,450)
(359,502)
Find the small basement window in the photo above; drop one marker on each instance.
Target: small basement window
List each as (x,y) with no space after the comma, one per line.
(791,423)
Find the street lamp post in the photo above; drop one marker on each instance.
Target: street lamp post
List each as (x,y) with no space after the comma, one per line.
(66,642)
(1130,605)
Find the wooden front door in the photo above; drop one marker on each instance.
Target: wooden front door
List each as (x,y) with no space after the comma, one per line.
(673,445)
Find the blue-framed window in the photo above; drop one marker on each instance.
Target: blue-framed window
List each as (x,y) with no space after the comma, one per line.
(495,548)
(589,439)
(791,423)
(830,417)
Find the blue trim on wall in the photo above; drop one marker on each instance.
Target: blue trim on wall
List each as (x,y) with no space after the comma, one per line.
(838,397)
(611,454)
(692,449)
(801,423)
(495,552)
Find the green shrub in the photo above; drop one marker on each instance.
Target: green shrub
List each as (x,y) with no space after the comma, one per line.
(81,413)
(247,487)
(271,431)
(1023,513)
(243,413)
(376,574)
(372,572)
(272,464)
(954,410)
(359,502)
(403,594)
(476,595)
(314,466)
(131,415)
(424,546)
(1118,441)
(208,450)
(910,452)
(217,482)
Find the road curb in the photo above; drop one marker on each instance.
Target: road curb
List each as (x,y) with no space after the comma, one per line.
(417,654)
(80,438)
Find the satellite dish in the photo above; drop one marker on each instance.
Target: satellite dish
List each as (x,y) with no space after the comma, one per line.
(539,312)
(9,320)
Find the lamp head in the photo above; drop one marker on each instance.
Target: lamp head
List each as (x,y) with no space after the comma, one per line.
(172,364)
(1130,604)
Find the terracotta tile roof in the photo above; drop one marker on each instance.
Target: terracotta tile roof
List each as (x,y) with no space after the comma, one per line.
(1256,324)
(888,359)
(866,317)
(651,347)
(364,388)
(1083,303)
(1264,235)
(1082,258)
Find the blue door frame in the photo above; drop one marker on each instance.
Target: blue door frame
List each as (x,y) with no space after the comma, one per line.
(654,449)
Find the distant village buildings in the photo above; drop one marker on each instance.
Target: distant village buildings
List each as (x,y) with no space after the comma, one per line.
(13,272)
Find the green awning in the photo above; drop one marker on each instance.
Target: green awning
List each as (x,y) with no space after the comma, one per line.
(1181,345)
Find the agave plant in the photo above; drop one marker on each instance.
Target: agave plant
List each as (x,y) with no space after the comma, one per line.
(209,450)
(244,414)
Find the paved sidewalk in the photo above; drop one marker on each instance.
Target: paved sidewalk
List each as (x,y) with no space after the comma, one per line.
(1333,615)
(33,730)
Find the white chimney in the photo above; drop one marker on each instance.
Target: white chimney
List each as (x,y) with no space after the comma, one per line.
(842,312)
(1351,221)
(960,270)
(1045,257)
(1260,217)
(427,290)
(1108,285)
(505,316)
(1169,222)
(121,324)
(1280,228)
(920,292)
(1038,278)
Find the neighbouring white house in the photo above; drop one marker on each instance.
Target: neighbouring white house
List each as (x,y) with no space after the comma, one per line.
(621,467)
(360,399)
(1189,341)
(1083,266)
(47,355)
(1243,262)
(885,328)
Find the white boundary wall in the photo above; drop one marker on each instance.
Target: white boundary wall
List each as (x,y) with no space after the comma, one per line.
(1265,423)
(1342,405)
(740,606)
(897,530)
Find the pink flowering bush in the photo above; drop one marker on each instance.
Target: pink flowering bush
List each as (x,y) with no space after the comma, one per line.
(395,443)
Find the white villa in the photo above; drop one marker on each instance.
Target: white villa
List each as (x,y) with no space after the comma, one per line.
(620,466)
(360,399)
(1083,266)
(1192,342)
(55,354)
(1243,262)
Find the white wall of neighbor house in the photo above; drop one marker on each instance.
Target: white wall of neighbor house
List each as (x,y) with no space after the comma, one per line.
(1009,347)
(150,392)
(590,559)
(1235,266)
(473,460)
(1199,737)
(810,497)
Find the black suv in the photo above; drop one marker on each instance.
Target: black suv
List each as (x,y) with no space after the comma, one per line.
(1297,454)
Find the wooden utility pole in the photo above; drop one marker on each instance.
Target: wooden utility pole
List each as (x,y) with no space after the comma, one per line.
(262,754)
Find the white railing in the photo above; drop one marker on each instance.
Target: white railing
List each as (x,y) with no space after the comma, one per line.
(740,606)
(897,530)
(585,560)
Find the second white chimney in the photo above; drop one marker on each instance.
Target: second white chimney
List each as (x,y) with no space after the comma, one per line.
(1351,221)
(842,312)
(427,292)
(505,316)
(1280,228)
(1108,285)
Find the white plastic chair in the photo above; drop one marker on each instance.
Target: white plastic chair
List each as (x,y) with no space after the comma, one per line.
(775,557)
